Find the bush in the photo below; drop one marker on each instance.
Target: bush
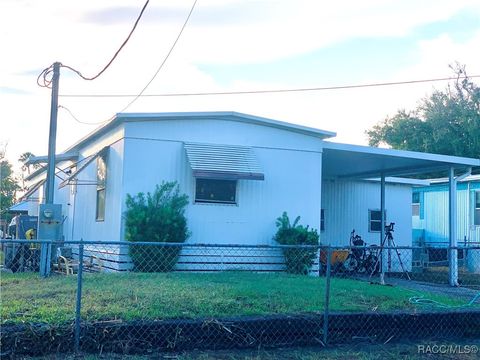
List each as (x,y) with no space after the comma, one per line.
(297,260)
(157,217)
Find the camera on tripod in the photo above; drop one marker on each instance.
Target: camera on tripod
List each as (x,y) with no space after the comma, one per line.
(389,227)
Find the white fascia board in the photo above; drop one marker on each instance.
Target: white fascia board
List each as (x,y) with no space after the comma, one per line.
(231,116)
(445,180)
(454,160)
(400,180)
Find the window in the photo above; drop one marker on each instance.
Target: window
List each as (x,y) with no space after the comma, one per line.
(477,208)
(375,220)
(101,187)
(322,220)
(416,204)
(215,191)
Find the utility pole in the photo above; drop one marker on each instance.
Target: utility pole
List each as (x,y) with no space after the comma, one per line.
(50,214)
(52,136)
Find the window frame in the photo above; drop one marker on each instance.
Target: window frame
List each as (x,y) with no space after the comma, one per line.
(476,208)
(101,188)
(206,202)
(370,211)
(322,220)
(416,204)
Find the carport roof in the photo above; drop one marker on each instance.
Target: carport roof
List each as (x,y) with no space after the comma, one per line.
(355,161)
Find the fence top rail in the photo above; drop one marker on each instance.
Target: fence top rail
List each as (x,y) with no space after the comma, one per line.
(154,243)
(202,245)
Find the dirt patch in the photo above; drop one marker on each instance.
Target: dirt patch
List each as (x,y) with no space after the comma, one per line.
(141,337)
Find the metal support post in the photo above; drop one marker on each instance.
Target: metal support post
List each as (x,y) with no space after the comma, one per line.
(78,306)
(382,228)
(452,227)
(327,296)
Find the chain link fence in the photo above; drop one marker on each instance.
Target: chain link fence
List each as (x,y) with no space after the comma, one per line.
(142,297)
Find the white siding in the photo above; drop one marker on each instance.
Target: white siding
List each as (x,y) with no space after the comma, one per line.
(221,132)
(83,202)
(292,183)
(436,217)
(346,205)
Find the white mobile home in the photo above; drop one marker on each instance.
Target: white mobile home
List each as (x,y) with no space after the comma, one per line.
(254,169)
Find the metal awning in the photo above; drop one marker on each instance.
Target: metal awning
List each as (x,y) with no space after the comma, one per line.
(21,207)
(360,162)
(228,162)
(88,160)
(58,158)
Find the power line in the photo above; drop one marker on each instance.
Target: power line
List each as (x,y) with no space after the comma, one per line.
(164,60)
(266,91)
(44,78)
(79,121)
(116,53)
(137,96)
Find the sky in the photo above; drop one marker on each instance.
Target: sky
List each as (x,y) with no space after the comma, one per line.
(228,45)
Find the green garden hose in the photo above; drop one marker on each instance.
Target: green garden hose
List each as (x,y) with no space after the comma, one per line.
(420,300)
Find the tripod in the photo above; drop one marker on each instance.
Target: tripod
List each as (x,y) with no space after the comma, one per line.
(391,242)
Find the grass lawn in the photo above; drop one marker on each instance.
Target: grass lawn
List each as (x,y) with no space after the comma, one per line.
(27,297)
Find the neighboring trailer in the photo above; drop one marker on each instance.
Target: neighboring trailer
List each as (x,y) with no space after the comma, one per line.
(430,212)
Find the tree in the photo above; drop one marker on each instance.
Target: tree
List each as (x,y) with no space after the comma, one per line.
(447,122)
(26,168)
(24,158)
(8,185)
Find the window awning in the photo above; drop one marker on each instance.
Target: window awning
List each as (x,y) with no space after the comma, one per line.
(228,162)
(88,160)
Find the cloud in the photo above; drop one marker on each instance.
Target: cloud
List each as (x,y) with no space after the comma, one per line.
(223,32)
(13,91)
(126,15)
(219,14)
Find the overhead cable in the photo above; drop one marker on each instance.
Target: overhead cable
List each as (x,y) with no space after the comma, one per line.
(266,91)
(44,78)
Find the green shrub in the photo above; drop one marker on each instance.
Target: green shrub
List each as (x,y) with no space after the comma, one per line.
(297,260)
(157,217)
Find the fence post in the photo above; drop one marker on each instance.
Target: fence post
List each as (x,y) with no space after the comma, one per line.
(327,296)
(78,306)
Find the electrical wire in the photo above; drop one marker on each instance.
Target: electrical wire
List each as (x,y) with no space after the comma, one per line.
(116,53)
(44,78)
(136,97)
(164,60)
(79,121)
(339,87)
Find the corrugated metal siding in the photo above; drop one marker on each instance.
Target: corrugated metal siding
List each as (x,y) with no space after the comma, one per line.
(292,183)
(346,205)
(436,217)
(86,226)
(227,161)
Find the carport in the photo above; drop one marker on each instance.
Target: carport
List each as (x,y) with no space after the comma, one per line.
(345,161)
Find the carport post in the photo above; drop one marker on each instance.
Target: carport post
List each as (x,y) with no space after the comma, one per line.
(452,228)
(78,304)
(382,227)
